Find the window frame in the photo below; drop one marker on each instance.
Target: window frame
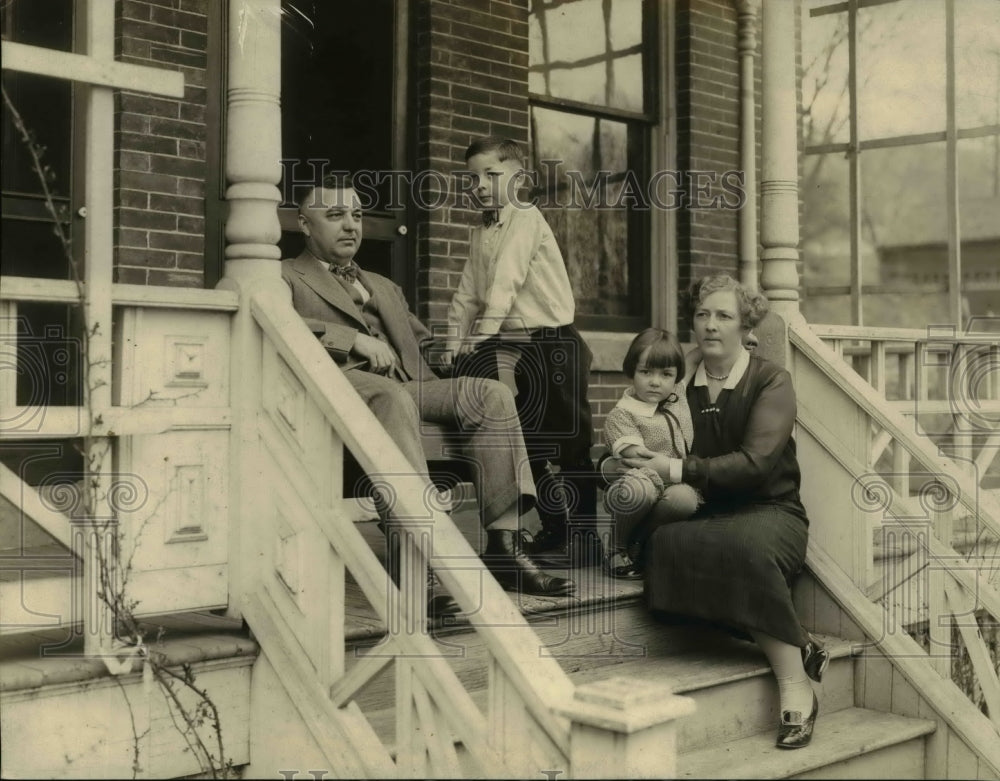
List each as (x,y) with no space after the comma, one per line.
(652,249)
(854,146)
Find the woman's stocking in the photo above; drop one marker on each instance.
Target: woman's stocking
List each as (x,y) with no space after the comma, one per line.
(794,689)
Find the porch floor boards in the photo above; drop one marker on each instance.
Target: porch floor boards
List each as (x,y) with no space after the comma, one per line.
(594,588)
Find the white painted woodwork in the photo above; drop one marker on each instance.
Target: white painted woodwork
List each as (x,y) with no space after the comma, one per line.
(940,699)
(292,718)
(779,279)
(831,749)
(63,291)
(623,731)
(88,69)
(49,512)
(88,726)
(253,130)
(963,605)
(172,498)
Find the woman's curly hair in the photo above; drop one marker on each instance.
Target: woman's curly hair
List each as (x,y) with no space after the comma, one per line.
(751,304)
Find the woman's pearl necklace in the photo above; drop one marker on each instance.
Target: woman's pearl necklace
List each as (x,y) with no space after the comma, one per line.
(714,377)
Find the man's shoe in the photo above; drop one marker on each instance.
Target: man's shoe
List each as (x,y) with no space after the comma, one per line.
(505,558)
(815,659)
(550,538)
(794,731)
(438,605)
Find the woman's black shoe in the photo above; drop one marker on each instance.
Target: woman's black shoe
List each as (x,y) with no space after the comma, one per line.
(512,568)
(815,659)
(795,731)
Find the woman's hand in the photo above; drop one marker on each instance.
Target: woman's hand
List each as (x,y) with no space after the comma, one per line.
(658,462)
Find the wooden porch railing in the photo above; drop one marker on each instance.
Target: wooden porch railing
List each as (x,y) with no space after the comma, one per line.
(297,545)
(143,534)
(885,476)
(277,546)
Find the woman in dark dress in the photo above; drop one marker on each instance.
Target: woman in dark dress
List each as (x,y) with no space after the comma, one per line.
(732,563)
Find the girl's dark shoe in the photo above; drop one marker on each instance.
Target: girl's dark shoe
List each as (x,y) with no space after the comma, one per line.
(505,558)
(794,731)
(815,659)
(618,564)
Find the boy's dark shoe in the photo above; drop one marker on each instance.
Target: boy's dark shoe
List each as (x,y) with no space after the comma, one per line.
(574,546)
(438,604)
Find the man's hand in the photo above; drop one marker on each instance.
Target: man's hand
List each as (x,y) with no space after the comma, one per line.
(381,358)
(471,342)
(449,353)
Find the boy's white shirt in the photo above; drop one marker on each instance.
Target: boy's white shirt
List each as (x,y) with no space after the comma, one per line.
(514,280)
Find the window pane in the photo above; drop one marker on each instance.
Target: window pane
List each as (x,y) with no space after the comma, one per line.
(44,105)
(977,62)
(905,235)
(826,248)
(579,157)
(825,98)
(587,50)
(979,223)
(48,23)
(901,80)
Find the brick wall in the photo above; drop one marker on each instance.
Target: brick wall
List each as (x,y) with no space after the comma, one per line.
(707,130)
(471,80)
(160,147)
(605,390)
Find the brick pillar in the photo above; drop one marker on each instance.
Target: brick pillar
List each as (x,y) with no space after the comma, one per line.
(708,132)
(160,147)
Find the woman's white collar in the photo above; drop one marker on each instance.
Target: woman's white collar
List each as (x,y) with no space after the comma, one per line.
(735,374)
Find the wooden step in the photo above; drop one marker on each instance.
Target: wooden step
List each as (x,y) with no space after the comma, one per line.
(37,585)
(848,743)
(730,679)
(62,715)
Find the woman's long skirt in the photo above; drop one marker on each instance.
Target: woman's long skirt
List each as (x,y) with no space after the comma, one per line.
(732,569)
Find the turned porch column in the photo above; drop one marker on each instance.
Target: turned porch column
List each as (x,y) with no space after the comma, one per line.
(253,133)
(747,30)
(779,279)
(253,170)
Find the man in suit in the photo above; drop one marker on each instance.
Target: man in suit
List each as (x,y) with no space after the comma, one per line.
(363,321)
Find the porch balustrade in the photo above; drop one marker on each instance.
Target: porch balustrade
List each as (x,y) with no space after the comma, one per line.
(904,509)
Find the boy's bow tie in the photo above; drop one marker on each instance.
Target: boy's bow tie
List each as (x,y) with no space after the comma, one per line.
(346,271)
(491,217)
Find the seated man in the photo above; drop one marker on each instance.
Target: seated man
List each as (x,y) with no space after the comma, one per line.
(364,323)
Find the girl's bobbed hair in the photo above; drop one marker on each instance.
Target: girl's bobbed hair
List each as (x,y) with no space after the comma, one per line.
(664,352)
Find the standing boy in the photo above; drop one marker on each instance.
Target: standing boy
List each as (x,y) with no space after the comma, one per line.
(515,293)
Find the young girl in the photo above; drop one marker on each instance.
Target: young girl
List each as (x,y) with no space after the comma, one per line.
(652,415)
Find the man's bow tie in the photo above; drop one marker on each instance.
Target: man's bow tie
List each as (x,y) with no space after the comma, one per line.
(346,271)
(491,217)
